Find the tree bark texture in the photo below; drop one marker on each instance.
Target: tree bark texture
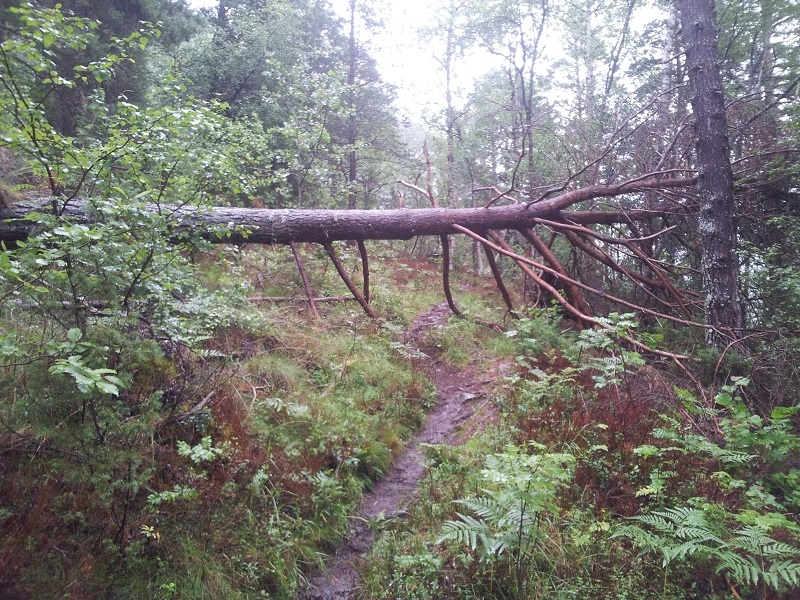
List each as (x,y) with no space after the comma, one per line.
(282,226)
(717,228)
(352,161)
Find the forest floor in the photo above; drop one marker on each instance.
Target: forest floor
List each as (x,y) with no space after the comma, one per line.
(463,407)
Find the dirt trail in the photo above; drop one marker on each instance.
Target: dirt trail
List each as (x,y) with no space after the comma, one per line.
(460,394)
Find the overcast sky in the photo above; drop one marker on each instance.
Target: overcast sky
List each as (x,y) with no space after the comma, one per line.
(402,62)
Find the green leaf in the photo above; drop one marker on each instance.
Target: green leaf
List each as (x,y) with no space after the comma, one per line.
(725,400)
(783,412)
(646,450)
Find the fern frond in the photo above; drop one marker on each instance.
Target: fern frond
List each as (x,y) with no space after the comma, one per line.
(787,570)
(516,517)
(497,545)
(778,550)
(742,568)
(770,579)
(678,533)
(697,535)
(521,488)
(687,516)
(640,537)
(683,550)
(466,531)
(657,522)
(754,539)
(485,507)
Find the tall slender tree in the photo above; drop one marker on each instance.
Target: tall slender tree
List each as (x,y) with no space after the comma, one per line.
(447,36)
(720,265)
(514,32)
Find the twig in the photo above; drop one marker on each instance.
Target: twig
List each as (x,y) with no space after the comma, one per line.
(561,300)
(446,276)
(297,299)
(362,250)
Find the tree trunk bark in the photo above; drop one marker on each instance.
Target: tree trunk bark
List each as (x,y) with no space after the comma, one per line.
(352,164)
(268,226)
(717,228)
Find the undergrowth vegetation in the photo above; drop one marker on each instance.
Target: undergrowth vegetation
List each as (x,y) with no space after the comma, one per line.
(166,428)
(164,432)
(184,441)
(169,430)
(604,478)
(175,422)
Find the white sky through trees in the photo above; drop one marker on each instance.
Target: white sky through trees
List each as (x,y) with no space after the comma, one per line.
(402,60)
(408,63)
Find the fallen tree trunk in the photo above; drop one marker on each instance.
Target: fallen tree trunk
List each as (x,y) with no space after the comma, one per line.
(294,299)
(282,226)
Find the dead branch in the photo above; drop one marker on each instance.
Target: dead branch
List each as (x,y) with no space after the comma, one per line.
(574,293)
(429,192)
(446,276)
(599,323)
(304,277)
(347,281)
(572,232)
(444,240)
(511,254)
(362,250)
(298,299)
(640,281)
(522,263)
(498,278)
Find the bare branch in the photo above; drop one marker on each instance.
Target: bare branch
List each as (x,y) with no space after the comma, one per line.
(304,277)
(348,282)
(599,323)
(498,277)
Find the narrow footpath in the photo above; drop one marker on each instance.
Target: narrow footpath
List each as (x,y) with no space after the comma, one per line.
(460,395)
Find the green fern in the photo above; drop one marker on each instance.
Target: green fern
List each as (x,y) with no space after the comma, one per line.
(467,531)
(745,553)
(785,569)
(520,488)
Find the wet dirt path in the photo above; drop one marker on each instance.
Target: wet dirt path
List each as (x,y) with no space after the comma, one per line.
(460,395)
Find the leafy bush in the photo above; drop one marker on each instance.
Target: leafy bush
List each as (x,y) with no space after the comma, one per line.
(114,369)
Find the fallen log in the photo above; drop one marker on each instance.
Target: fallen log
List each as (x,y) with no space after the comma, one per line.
(293,299)
(282,226)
